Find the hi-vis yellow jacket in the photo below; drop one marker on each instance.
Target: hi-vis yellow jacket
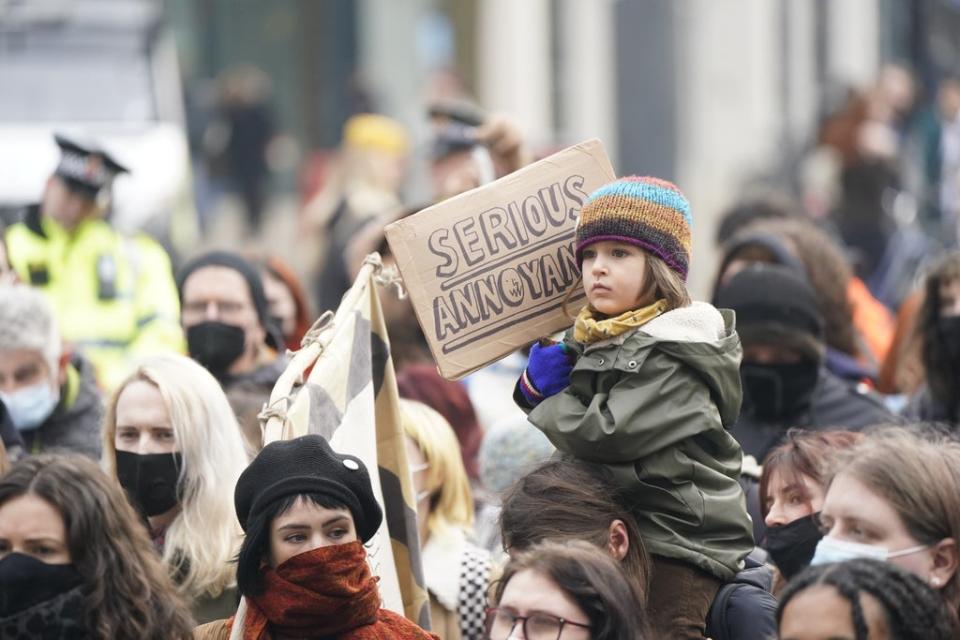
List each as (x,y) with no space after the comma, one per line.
(113,295)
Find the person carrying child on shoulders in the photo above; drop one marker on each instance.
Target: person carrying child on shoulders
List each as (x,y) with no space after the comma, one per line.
(647,384)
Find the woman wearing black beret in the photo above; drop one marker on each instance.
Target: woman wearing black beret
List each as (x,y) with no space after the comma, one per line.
(306,511)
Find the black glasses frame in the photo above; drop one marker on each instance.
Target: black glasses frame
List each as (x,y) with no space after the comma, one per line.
(493,611)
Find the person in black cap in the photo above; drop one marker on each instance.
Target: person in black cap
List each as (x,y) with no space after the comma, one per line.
(307,512)
(113,294)
(784,381)
(229,330)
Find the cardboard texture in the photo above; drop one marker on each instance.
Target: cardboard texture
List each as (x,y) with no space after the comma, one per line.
(487,270)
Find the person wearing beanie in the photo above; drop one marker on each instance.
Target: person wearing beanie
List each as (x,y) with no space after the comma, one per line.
(857,328)
(226,317)
(306,512)
(785,381)
(49,399)
(647,383)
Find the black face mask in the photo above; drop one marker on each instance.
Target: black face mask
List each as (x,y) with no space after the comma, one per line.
(26,582)
(778,391)
(950,337)
(151,480)
(792,545)
(216,345)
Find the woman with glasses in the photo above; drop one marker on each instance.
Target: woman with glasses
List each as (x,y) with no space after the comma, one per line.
(572,591)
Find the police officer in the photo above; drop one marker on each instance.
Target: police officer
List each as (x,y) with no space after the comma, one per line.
(113,295)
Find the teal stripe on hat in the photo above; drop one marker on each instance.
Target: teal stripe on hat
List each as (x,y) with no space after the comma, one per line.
(646,191)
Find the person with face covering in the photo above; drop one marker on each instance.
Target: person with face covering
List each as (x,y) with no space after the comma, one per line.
(74,562)
(49,399)
(784,381)
(286,300)
(456,571)
(857,329)
(171,440)
(791,496)
(939,328)
(112,293)
(893,497)
(226,317)
(307,512)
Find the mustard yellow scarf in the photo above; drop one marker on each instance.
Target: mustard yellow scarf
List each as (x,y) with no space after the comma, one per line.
(588,328)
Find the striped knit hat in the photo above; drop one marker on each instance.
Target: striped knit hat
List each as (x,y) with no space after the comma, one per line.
(647,212)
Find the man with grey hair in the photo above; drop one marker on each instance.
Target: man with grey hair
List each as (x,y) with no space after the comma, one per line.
(48,400)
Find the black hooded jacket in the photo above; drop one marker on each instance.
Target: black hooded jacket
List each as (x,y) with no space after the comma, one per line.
(836,404)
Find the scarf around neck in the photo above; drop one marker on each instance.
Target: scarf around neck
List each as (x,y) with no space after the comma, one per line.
(60,618)
(324,592)
(589,328)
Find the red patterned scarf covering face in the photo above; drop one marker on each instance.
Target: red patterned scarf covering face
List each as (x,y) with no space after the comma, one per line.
(324,592)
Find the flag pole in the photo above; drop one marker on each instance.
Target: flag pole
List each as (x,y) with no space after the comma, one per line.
(273,417)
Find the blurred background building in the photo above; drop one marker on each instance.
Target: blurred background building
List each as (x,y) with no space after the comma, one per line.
(721,97)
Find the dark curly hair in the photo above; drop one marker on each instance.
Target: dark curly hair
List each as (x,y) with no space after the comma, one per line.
(943,374)
(913,610)
(126,590)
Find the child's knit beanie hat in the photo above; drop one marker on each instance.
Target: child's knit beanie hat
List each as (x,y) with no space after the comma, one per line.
(647,212)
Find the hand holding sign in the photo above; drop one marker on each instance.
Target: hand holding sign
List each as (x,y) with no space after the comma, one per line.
(488,269)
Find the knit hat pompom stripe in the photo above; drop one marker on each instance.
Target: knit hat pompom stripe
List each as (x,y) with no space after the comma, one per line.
(662,219)
(647,212)
(651,190)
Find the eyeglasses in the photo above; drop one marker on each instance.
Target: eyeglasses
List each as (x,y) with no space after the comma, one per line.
(537,626)
(225,309)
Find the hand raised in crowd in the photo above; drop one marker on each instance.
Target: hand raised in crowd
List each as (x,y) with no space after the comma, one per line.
(503,137)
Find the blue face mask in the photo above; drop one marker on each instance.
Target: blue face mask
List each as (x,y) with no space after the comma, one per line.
(830,550)
(30,406)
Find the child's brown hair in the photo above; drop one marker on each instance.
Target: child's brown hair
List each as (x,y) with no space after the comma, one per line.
(658,278)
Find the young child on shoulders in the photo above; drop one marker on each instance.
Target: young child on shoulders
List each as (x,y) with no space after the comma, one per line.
(647,383)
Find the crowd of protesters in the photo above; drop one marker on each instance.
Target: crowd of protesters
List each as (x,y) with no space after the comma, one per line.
(780,462)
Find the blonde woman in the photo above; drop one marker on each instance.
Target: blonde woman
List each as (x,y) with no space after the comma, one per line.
(172,441)
(457,571)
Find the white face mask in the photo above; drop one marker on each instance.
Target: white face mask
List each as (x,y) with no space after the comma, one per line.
(29,407)
(422,495)
(831,550)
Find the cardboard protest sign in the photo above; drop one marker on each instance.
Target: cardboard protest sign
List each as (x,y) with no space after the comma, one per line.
(487,270)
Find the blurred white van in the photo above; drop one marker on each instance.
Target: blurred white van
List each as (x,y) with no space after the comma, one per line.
(107,70)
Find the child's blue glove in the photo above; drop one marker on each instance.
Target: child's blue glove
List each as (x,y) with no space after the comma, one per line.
(547,372)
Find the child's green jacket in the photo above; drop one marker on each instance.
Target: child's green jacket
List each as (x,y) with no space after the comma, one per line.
(654,406)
